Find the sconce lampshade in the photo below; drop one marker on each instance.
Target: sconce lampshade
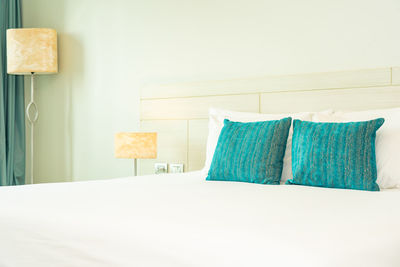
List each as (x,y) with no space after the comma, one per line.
(136,145)
(31,50)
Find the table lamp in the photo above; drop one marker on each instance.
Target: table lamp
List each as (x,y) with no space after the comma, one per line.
(136,146)
(30,52)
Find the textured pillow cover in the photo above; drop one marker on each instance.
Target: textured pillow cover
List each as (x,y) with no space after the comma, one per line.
(387,142)
(250,152)
(335,155)
(216,123)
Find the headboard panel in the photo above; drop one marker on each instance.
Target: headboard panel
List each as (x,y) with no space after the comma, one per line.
(179,112)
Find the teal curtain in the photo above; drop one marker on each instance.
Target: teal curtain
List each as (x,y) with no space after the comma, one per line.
(12,106)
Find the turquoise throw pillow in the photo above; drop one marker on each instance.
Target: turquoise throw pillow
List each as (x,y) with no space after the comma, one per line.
(336,155)
(250,152)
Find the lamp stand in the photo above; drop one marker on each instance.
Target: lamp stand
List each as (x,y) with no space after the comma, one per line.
(135,167)
(32,106)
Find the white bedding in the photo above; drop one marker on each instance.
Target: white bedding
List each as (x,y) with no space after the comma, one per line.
(182,220)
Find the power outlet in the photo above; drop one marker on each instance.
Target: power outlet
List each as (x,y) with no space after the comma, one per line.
(176,167)
(160,168)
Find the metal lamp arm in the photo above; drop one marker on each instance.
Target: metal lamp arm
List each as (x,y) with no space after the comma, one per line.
(32,108)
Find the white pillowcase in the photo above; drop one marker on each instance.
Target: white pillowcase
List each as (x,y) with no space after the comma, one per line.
(216,123)
(387,140)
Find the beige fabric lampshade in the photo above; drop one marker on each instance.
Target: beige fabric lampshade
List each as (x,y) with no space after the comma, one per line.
(136,145)
(32,50)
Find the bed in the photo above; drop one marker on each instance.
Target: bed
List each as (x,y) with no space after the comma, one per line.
(183,220)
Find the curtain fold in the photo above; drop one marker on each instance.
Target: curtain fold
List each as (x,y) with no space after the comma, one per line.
(12,106)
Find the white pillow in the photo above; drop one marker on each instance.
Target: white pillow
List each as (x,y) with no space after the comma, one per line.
(387,141)
(216,123)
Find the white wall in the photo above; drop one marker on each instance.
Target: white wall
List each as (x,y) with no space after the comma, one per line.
(109,49)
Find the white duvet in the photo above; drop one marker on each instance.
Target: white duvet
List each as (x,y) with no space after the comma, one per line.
(182,220)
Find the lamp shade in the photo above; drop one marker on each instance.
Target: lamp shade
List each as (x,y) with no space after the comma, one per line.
(136,145)
(31,50)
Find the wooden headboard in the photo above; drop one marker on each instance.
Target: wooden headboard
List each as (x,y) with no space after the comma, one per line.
(179,112)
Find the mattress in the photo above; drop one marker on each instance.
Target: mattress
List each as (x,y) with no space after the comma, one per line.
(183,220)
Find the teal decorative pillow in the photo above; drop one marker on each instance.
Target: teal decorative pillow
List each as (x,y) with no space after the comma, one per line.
(336,155)
(250,152)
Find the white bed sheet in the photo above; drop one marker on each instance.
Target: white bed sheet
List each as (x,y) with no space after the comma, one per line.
(182,220)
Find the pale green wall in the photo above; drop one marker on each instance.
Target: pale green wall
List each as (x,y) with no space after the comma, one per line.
(109,49)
